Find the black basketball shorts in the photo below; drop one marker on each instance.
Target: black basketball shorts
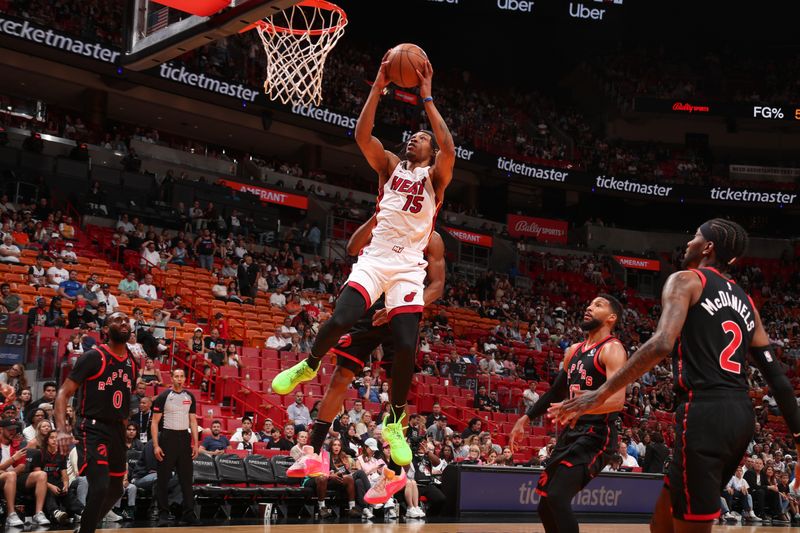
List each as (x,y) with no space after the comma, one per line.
(354,348)
(712,431)
(101,447)
(588,446)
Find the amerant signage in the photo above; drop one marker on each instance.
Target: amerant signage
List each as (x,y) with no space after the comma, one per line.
(638,263)
(469,237)
(268,195)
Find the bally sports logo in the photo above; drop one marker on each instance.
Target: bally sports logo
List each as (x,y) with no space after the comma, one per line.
(690,108)
(541,229)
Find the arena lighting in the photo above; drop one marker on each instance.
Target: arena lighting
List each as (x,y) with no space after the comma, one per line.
(201,8)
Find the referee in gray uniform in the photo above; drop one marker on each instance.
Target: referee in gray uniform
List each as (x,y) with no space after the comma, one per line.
(175,445)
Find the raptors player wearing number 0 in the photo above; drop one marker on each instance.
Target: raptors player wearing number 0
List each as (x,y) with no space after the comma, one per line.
(410,191)
(709,325)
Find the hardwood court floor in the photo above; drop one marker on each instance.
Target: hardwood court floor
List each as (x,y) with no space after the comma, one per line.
(420,527)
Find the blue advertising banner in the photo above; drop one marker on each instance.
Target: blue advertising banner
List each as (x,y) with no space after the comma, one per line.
(513,490)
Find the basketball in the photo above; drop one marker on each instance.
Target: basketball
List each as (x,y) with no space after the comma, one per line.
(404,62)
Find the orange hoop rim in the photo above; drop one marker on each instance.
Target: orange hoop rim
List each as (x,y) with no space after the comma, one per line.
(320,4)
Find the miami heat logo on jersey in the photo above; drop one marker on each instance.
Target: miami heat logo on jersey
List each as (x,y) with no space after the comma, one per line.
(407,207)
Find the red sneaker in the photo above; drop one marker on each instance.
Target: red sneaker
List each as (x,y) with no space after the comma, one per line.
(309,464)
(386,487)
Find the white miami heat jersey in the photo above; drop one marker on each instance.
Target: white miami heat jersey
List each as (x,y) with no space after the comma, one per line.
(407,207)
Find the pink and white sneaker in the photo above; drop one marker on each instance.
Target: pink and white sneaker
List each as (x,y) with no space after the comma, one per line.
(310,464)
(386,487)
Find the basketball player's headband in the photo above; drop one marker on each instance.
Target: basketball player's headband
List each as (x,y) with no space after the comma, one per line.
(707,231)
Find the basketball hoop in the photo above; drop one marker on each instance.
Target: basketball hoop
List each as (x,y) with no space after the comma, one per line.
(297,41)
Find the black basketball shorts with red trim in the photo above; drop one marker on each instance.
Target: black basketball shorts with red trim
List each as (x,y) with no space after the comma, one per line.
(588,446)
(354,348)
(712,431)
(101,447)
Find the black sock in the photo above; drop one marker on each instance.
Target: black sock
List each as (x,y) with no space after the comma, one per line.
(319,432)
(350,306)
(397,412)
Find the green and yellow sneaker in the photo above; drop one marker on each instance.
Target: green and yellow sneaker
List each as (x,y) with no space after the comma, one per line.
(396,439)
(286,381)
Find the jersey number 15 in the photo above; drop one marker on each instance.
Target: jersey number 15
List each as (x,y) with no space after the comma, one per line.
(413,203)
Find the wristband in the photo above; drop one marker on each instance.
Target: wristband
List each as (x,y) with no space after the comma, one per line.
(427,99)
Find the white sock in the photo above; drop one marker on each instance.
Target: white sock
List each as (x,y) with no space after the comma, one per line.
(351,504)
(322,504)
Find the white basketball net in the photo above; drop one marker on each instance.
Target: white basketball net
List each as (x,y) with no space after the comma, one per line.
(297,41)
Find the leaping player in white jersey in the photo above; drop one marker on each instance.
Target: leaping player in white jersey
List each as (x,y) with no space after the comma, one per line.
(410,194)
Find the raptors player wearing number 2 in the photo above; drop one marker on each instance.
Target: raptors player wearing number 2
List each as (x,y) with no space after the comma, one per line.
(411,191)
(709,324)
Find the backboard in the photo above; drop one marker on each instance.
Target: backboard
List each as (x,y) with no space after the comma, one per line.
(158,31)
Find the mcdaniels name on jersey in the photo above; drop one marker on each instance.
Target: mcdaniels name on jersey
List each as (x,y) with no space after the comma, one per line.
(726,299)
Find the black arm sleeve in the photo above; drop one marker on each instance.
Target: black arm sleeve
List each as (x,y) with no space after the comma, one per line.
(556,392)
(766,361)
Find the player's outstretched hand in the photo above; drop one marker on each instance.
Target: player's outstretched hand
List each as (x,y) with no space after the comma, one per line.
(572,409)
(518,432)
(380,317)
(65,441)
(425,79)
(159,453)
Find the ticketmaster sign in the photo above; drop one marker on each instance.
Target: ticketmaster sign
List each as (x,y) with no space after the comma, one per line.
(512,489)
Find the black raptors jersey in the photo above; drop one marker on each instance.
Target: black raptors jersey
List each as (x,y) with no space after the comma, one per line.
(106,384)
(711,352)
(586,370)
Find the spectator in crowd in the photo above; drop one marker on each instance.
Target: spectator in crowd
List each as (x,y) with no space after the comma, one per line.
(55,316)
(147,290)
(276,341)
(80,317)
(530,396)
(37,315)
(9,302)
(205,247)
(297,450)
(482,399)
(473,428)
(298,413)
(628,461)
(438,431)
(246,276)
(244,437)
(357,411)
(367,391)
(104,296)
(150,256)
(427,475)
(277,299)
(57,274)
(70,288)
(37,276)
(11,464)
(68,254)
(656,454)
(757,483)
(132,441)
(278,442)
(129,286)
(737,495)
(48,396)
(265,435)
(614,464)
(9,252)
(216,443)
